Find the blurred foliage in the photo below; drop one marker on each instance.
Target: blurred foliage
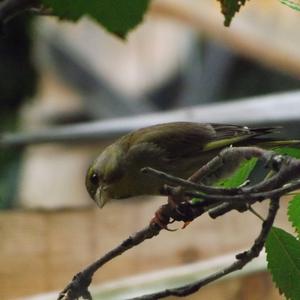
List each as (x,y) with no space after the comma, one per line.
(292,4)
(121,16)
(230,8)
(18,78)
(16,70)
(117,16)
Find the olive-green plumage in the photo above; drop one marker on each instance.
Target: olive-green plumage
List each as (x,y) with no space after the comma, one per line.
(177,148)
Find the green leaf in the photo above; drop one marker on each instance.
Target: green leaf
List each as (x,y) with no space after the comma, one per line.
(240,175)
(292,4)
(294,213)
(283,257)
(117,16)
(230,8)
(293,152)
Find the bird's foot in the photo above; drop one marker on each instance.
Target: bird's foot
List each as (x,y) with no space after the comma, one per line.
(169,213)
(162,218)
(176,201)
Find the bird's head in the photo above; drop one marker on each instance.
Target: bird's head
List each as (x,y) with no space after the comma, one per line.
(104,173)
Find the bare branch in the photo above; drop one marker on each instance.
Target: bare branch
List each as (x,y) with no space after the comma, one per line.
(214,200)
(11,8)
(225,159)
(270,158)
(242,259)
(79,285)
(187,183)
(249,198)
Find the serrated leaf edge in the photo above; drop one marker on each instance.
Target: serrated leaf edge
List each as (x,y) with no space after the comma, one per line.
(273,280)
(289,216)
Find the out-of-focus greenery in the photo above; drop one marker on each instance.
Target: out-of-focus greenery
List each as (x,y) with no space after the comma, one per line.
(292,4)
(230,8)
(117,17)
(17,84)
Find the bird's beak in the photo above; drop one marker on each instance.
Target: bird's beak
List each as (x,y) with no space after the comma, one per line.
(101,196)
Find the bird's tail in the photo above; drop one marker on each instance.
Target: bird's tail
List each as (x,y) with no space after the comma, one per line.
(260,140)
(259,131)
(270,143)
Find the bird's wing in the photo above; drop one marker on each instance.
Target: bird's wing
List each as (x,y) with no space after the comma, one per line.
(184,139)
(227,135)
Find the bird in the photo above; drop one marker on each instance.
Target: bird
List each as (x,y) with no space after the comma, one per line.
(177,148)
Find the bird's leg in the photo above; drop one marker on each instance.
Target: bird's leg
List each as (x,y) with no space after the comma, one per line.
(177,209)
(166,215)
(179,203)
(175,200)
(162,217)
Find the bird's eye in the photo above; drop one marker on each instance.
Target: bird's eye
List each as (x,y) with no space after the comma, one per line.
(94,179)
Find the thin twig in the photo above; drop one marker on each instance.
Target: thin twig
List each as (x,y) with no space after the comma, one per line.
(11,8)
(231,154)
(275,161)
(79,285)
(217,200)
(250,198)
(41,11)
(278,183)
(168,178)
(242,259)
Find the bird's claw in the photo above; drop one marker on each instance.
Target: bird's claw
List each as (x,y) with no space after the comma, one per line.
(185,224)
(168,214)
(161,219)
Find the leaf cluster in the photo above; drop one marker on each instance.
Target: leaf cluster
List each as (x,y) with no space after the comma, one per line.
(121,16)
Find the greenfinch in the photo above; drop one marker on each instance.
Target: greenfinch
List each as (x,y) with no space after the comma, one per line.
(178,148)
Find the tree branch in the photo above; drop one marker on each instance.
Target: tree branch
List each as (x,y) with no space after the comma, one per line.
(79,285)
(11,8)
(242,259)
(214,200)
